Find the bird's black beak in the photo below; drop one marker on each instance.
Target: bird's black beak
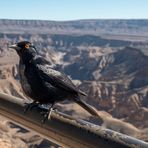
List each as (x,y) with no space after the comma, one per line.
(14,46)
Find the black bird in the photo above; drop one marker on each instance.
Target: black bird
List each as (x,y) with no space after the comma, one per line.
(42,83)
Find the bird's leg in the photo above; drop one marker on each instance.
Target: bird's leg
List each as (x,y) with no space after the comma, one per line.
(30,106)
(48,113)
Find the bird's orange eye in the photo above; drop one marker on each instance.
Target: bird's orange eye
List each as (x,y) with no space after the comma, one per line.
(27,46)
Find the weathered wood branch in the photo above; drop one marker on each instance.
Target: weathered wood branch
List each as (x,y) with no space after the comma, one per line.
(65,130)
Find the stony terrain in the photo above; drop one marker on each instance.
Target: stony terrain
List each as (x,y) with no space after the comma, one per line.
(111,69)
(104,27)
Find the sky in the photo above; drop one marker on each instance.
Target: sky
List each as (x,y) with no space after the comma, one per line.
(62,10)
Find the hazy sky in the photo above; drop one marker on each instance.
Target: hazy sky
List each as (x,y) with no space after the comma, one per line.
(73,9)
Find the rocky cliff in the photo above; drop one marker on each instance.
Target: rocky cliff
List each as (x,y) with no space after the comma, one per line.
(100,26)
(112,70)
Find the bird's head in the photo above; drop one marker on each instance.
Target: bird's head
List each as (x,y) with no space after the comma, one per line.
(25,50)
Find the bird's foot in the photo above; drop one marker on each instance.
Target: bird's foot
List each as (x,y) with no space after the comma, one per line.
(45,117)
(47,114)
(30,106)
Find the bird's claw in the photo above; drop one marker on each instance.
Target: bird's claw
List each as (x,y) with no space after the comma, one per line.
(45,117)
(29,106)
(47,114)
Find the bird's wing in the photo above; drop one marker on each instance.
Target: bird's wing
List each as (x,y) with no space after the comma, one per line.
(57,79)
(41,60)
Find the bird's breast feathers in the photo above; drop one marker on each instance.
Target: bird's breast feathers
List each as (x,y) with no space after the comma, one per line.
(24,82)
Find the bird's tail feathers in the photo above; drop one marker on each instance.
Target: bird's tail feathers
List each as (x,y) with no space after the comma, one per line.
(88,107)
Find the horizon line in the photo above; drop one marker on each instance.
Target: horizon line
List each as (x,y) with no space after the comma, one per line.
(92,19)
